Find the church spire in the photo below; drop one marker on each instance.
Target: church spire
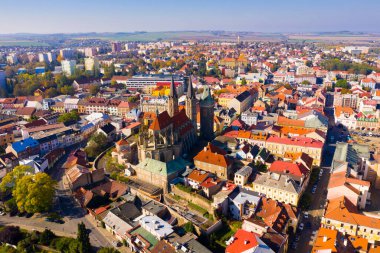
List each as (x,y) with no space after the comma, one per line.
(173,91)
(190,90)
(172,100)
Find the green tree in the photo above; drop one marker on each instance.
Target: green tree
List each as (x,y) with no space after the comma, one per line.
(72,116)
(68,90)
(342,83)
(46,237)
(94,89)
(11,235)
(51,92)
(34,193)
(189,227)
(83,238)
(10,179)
(243,81)
(96,145)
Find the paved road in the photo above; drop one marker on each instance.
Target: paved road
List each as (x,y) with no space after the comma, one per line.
(316,210)
(68,208)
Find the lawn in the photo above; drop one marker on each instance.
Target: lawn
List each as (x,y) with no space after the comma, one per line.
(228,230)
(197,208)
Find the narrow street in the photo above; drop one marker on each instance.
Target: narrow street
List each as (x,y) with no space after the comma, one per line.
(316,210)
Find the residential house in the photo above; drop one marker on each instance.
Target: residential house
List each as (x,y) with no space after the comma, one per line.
(243,203)
(214,160)
(242,175)
(24,148)
(278,187)
(242,102)
(244,241)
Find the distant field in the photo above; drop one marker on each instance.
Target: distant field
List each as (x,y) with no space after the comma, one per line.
(35,39)
(5,43)
(335,38)
(188,35)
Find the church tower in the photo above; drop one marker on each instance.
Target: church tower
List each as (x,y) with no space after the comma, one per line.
(173,100)
(191,103)
(207,114)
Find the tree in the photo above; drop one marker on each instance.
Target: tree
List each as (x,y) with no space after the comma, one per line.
(68,90)
(94,89)
(342,83)
(243,81)
(96,145)
(10,179)
(72,116)
(34,193)
(189,227)
(83,238)
(305,82)
(51,92)
(108,250)
(46,237)
(65,244)
(11,235)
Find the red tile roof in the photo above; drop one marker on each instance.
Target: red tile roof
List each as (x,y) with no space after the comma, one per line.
(296,141)
(295,169)
(243,241)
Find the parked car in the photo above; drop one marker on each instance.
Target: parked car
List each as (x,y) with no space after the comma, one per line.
(301,226)
(306,215)
(314,189)
(297,239)
(116,243)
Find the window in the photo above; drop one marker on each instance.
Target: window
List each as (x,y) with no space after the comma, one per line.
(341,225)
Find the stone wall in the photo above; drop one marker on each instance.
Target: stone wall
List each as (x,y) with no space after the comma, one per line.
(194,198)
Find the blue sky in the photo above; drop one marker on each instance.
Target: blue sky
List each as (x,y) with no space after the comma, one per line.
(66,16)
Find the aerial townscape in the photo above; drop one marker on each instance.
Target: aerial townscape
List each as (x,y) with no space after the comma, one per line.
(188,141)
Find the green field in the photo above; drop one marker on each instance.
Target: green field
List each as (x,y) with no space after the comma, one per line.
(21,43)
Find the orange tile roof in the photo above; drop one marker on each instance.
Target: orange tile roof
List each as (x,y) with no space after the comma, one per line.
(359,242)
(374,250)
(340,109)
(326,239)
(272,214)
(283,121)
(198,176)
(295,130)
(341,209)
(210,155)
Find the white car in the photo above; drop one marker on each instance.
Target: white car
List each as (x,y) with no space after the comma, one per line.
(301,226)
(306,215)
